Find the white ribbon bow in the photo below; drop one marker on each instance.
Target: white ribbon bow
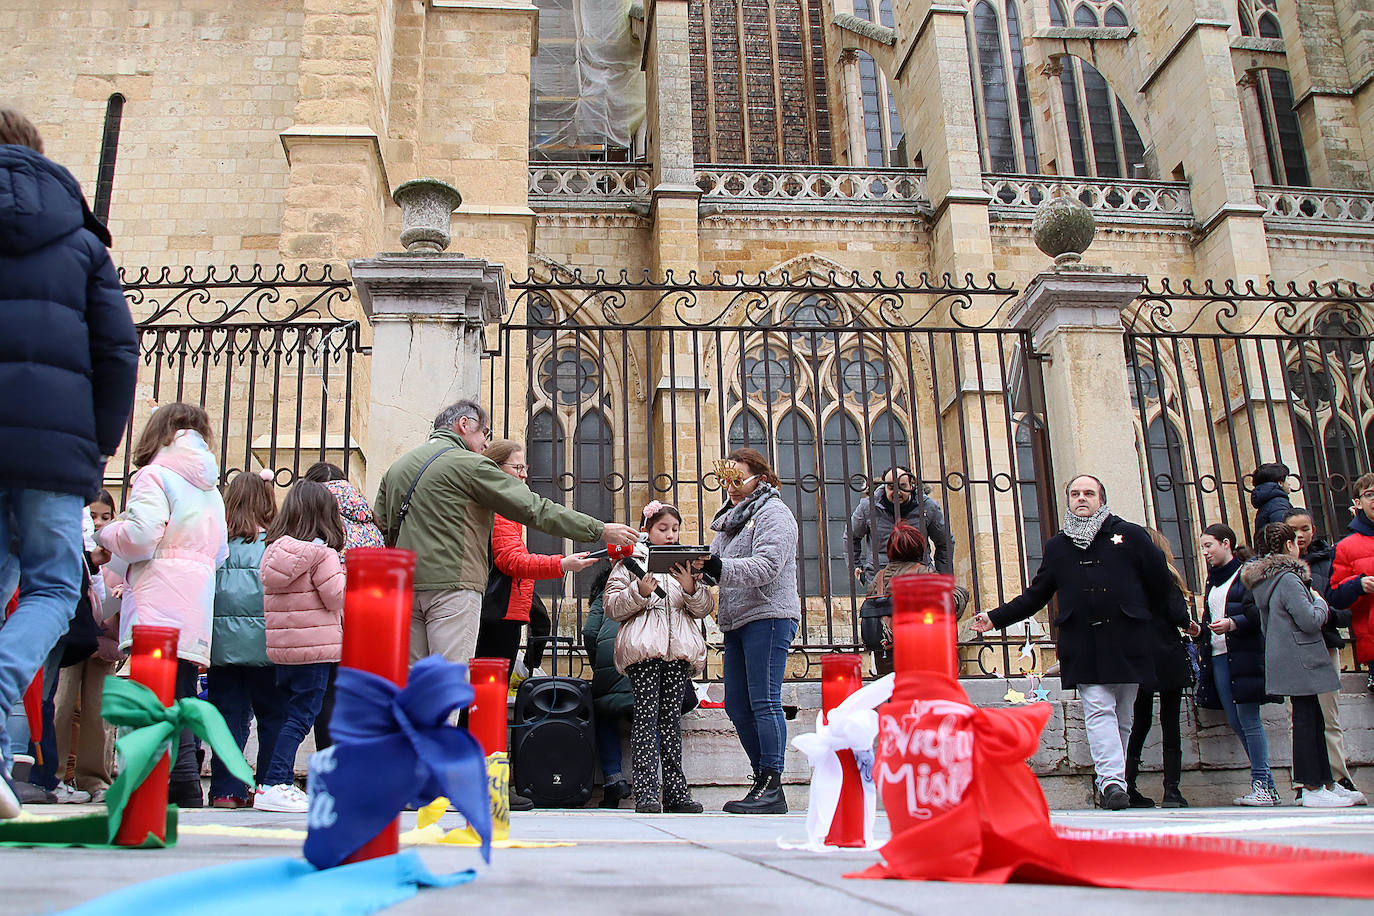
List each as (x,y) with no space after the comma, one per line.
(851,726)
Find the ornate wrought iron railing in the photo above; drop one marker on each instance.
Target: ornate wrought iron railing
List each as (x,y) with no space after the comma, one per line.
(627,389)
(1148,202)
(268,351)
(1313,208)
(899,191)
(1227,377)
(589,186)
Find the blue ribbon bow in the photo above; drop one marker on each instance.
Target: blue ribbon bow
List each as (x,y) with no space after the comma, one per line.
(392,746)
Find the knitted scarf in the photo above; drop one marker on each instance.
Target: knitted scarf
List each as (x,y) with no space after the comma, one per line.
(1082,530)
(731,518)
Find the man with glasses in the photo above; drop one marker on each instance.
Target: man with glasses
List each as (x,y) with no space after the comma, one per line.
(438,500)
(1352,573)
(899,496)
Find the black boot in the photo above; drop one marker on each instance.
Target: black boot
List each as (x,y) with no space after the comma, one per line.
(764,798)
(1137,800)
(614,792)
(519,802)
(1174,798)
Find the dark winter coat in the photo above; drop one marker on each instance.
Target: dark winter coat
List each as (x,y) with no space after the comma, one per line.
(1355,559)
(1318,559)
(1173,670)
(875,517)
(1271,504)
(612,694)
(1109,597)
(68,353)
(1244,644)
(1296,660)
(239,636)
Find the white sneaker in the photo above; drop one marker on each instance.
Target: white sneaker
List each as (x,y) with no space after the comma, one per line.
(1260,797)
(284,798)
(1355,795)
(9,799)
(1324,798)
(68,794)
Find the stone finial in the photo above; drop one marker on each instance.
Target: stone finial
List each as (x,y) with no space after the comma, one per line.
(1063,228)
(426,205)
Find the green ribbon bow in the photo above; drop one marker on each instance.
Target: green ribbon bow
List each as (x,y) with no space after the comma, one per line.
(157,729)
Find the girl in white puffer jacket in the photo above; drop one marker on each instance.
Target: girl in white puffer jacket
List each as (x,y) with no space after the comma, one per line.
(659,647)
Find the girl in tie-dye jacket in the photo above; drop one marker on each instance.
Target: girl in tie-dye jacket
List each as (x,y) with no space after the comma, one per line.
(172,534)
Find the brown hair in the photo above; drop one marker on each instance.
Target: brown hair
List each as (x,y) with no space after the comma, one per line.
(757,464)
(309,511)
(1272,538)
(1362,483)
(323,472)
(663,509)
(18,130)
(103,498)
(249,505)
(163,426)
(500,450)
(1163,544)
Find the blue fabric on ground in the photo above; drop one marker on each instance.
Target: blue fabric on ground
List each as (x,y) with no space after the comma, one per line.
(278,885)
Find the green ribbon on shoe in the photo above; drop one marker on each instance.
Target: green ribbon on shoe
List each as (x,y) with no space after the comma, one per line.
(157,730)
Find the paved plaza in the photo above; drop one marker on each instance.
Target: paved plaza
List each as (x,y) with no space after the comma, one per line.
(713,864)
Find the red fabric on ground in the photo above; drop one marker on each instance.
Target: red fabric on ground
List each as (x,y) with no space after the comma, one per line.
(995,829)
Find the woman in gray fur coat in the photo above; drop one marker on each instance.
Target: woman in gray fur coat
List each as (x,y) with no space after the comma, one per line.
(754,559)
(1296,662)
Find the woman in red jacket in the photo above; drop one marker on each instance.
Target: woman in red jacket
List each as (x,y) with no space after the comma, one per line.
(500,637)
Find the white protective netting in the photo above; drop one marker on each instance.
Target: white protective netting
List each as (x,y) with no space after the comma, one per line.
(587,89)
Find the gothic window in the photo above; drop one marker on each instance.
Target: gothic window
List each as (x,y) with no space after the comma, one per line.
(795,463)
(882,126)
(1265,12)
(841,459)
(1001,95)
(1103,140)
(1168,493)
(1282,136)
(759,85)
(1028,494)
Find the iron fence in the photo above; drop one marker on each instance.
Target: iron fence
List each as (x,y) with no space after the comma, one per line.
(1228,377)
(270,352)
(627,390)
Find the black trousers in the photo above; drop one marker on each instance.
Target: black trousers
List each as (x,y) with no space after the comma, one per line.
(1311,766)
(185,768)
(499,639)
(1170,707)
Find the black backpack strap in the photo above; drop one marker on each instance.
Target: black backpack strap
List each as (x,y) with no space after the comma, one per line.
(405,503)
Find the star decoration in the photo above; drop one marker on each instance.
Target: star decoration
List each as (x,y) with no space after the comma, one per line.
(1117,539)
(1014,696)
(1040,694)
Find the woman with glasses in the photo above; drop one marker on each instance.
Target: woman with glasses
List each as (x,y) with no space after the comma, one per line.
(754,559)
(498,636)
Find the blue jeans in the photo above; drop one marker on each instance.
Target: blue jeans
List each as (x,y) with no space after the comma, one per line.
(1245,722)
(608,746)
(45,530)
(301,688)
(242,693)
(755,662)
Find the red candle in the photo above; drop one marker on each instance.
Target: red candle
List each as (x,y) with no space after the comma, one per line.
(923,624)
(152,663)
(376,638)
(490,680)
(840,677)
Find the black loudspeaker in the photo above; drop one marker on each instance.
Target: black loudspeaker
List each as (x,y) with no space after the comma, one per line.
(554,757)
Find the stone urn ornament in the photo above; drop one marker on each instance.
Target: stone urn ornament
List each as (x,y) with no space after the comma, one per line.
(426,205)
(1063,228)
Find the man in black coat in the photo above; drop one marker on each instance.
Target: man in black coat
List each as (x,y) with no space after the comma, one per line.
(1111,580)
(68,361)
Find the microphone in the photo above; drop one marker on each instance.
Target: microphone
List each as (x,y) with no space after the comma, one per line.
(612,551)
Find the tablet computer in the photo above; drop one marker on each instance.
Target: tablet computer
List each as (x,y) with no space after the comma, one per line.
(663,559)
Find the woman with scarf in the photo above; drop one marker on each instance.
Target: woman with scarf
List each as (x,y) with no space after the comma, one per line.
(754,560)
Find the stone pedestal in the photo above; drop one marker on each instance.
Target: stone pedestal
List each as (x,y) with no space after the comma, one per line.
(428,312)
(1074,317)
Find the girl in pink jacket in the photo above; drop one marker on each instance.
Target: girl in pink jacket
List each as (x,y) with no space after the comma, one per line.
(172,537)
(302,599)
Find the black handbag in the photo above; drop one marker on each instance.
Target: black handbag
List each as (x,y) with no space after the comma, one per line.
(496,598)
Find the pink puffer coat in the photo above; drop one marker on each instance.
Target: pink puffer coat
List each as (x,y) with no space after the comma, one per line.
(302,599)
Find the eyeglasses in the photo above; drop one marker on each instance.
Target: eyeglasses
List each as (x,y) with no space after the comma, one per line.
(486,430)
(1367,494)
(517,468)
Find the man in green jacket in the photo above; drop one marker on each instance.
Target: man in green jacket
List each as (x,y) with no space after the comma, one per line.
(448,525)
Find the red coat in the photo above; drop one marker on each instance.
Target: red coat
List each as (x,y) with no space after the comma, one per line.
(510,555)
(1355,558)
